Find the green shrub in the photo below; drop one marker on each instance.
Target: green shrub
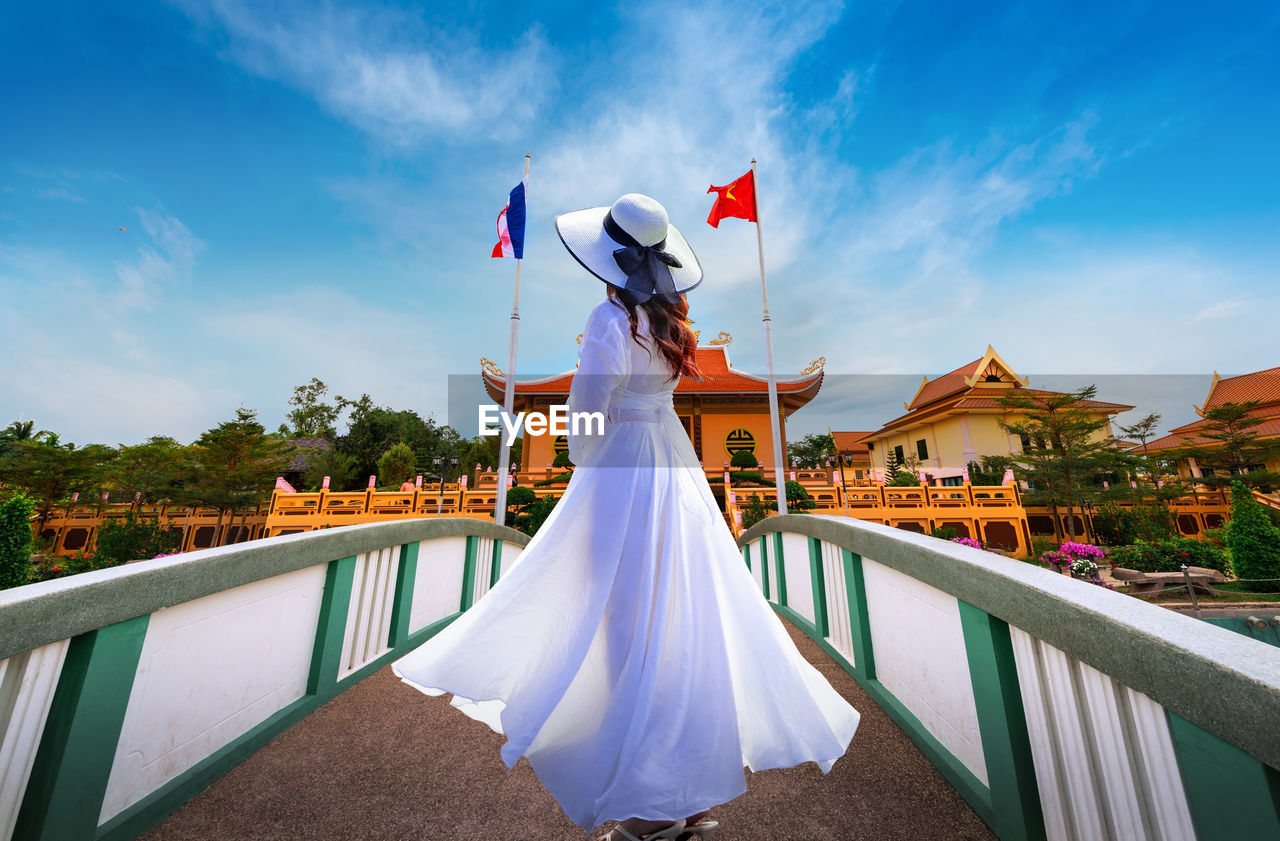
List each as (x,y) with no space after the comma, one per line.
(15,542)
(132,539)
(945,532)
(1042,544)
(747,477)
(903,480)
(1168,555)
(1254,541)
(1118,526)
(744,458)
(798,499)
(754,511)
(558,479)
(561,461)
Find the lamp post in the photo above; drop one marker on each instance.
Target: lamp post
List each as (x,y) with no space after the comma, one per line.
(1089,533)
(438,462)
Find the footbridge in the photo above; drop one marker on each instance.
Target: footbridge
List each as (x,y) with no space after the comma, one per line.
(244,692)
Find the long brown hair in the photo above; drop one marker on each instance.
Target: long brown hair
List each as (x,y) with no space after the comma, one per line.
(669,327)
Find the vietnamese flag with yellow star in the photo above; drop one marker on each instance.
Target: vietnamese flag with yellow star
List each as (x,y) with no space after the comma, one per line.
(736,199)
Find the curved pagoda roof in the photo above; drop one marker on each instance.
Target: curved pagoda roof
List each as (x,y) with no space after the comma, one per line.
(720,379)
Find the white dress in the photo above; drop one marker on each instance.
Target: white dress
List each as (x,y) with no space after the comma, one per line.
(628,653)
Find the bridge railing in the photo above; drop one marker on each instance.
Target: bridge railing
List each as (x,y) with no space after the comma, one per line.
(124,692)
(1058,709)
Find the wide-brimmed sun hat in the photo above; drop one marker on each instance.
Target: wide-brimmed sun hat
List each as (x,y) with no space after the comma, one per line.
(633,246)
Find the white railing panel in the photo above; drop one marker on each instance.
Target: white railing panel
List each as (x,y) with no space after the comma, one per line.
(368,631)
(1103,755)
(839,631)
(484,565)
(210,670)
(756,573)
(510,556)
(920,658)
(769,545)
(437,590)
(795,563)
(27,682)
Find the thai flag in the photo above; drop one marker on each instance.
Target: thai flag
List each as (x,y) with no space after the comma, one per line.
(511,225)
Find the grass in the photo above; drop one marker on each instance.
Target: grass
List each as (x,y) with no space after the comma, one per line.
(1229,592)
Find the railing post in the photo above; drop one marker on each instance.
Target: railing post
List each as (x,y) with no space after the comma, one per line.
(864,660)
(402,605)
(779,562)
(331,627)
(819,586)
(72,767)
(1230,794)
(469,573)
(495,568)
(764,564)
(746,556)
(1002,725)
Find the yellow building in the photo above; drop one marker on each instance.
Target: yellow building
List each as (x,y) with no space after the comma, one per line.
(1260,386)
(955,419)
(728,411)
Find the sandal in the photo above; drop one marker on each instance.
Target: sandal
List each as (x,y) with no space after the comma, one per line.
(700,831)
(669,833)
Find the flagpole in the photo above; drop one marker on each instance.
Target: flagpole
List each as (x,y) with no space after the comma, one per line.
(509,393)
(768,357)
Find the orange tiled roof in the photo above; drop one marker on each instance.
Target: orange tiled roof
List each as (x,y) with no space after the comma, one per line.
(1263,386)
(945,385)
(719,377)
(850,442)
(1187,435)
(981,402)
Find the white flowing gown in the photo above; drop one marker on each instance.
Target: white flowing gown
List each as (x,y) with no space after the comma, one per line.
(628,653)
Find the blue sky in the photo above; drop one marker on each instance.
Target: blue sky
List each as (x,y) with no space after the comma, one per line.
(310,190)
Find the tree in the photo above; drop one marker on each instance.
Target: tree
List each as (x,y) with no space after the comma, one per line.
(893,472)
(134,539)
(744,459)
(235,465)
(19,431)
(562,462)
(396,465)
(15,542)
(157,468)
(328,462)
(1253,540)
(376,429)
(1068,447)
(991,470)
(311,416)
(1143,430)
(1234,449)
(51,472)
(812,451)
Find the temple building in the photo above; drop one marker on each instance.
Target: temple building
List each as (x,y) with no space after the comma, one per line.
(955,419)
(728,411)
(853,456)
(1262,387)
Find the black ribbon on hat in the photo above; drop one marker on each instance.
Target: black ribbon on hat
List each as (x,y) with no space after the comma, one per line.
(648,267)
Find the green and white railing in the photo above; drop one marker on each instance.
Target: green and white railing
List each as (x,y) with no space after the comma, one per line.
(124,692)
(1058,709)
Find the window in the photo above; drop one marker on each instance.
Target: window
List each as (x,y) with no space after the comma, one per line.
(897,454)
(1026,441)
(922,449)
(952,481)
(1206,471)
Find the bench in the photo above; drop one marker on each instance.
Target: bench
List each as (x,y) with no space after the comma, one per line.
(1146,584)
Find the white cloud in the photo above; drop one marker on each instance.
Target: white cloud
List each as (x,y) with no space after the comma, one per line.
(60,194)
(1221,309)
(165,258)
(385,71)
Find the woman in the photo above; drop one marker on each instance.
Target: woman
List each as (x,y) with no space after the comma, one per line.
(628,654)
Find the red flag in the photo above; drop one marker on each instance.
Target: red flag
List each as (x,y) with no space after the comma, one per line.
(736,199)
